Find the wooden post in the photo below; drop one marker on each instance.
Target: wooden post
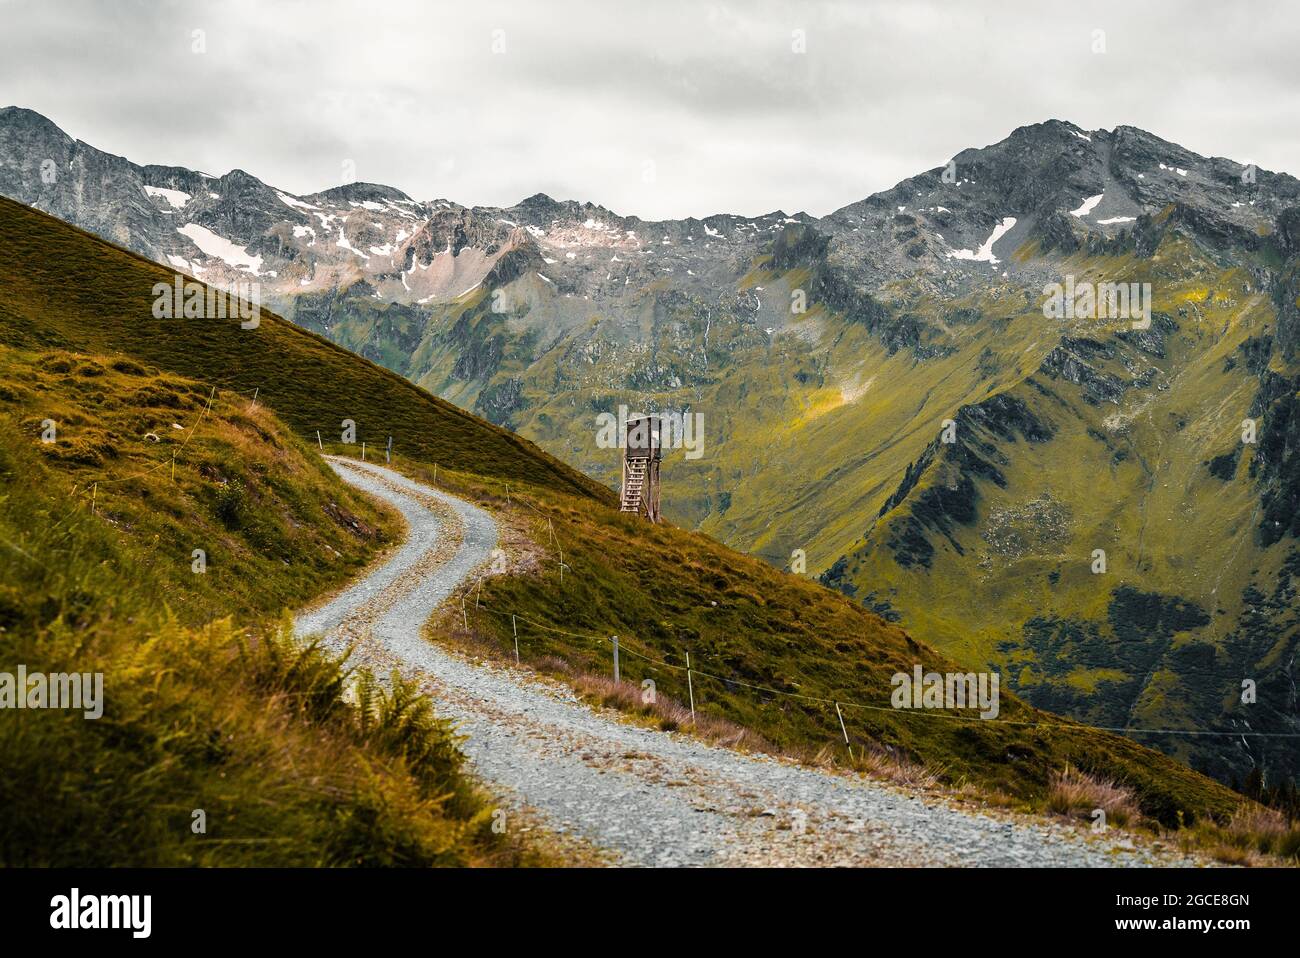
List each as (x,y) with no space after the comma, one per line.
(515,628)
(616,677)
(464,616)
(690,686)
(842,728)
(318,442)
(363,450)
(479,592)
(94,494)
(173,467)
(388,452)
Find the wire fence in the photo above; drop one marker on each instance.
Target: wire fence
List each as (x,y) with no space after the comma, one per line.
(840,703)
(690,672)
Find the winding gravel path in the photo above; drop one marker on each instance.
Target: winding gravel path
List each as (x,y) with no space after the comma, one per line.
(649,797)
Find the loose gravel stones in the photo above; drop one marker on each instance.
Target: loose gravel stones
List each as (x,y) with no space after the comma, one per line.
(650,797)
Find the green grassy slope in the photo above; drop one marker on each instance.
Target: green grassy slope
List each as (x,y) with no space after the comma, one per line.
(273,523)
(221,742)
(1131,444)
(67,289)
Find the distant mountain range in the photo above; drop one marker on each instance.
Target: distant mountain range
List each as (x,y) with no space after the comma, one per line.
(1107,509)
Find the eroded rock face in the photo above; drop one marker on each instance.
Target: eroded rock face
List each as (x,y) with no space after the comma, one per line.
(1073,361)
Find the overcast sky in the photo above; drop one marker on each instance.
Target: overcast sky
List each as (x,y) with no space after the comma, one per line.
(659,108)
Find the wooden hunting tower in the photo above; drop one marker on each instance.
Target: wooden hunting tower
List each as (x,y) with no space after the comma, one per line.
(641,457)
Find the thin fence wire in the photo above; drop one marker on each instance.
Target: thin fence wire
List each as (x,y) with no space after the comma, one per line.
(626,647)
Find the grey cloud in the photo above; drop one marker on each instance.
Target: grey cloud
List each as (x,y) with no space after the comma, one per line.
(588,92)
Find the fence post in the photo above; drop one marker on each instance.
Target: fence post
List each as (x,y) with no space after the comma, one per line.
(690,686)
(515,628)
(318,442)
(363,450)
(616,678)
(842,728)
(388,452)
(464,616)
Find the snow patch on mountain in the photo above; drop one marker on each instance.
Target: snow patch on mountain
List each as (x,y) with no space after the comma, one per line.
(1088,206)
(223,249)
(985,253)
(293,202)
(175,197)
(342,243)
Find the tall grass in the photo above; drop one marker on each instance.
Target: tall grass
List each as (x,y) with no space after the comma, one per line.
(1077,794)
(218,744)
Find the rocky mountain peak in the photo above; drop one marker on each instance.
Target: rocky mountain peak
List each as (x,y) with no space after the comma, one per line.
(19,118)
(361,193)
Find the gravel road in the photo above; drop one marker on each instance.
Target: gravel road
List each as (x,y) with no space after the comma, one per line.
(649,797)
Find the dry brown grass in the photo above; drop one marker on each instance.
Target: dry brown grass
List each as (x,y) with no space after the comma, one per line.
(1077,794)
(1255,835)
(667,713)
(891,767)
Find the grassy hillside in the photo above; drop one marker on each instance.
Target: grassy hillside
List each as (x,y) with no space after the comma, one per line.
(66,289)
(204,723)
(1132,444)
(667,591)
(274,525)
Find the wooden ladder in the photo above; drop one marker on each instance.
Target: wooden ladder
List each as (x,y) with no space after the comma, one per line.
(633,486)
